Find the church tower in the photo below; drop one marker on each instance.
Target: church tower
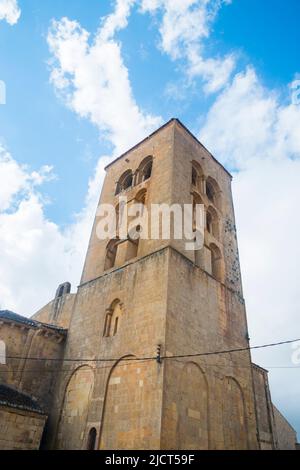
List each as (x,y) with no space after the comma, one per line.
(141,298)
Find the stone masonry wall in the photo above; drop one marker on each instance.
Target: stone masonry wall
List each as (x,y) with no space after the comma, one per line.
(35,377)
(121,399)
(265,416)
(20,430)
(57,312)
(209,400)
(286,434)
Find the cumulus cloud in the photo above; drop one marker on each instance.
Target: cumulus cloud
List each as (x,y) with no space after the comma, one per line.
(95,87)
(15,178)
(36,254)
(251,123)
(26,236)
(185,26)
(9,11)
(117,20)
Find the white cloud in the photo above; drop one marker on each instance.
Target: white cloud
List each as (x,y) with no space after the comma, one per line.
(29,242)
(117,20)
(251,123)
(95,87)
(185,26)
(15,178)
(36,255)
(9,11)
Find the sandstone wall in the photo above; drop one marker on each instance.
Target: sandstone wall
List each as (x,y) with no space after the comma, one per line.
(20,430)
(286,434)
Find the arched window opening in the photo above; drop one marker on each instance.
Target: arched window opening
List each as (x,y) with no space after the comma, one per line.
(210,192)
(63,289)
(140,199)
(134,241)
(107,323)
(212,222)
(194,177)
(141,196)
(216,262)
(197,175)
(209,222)
(112,319)
(125,182)
(111,253)
(116,326)
(213,192)
(91,442)
(145,169)
(119,213)
(196,201)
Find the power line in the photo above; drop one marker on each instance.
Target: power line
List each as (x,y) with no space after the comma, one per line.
(59,370)
(139,359)
(228,351)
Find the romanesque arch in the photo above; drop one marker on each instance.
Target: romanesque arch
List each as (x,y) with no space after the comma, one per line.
(75,407)
(197,176)
(111,254)
(193,420)
(212,222)
(113,319)
(234,416)
(144,171)
(124,408)
(125,181)
(213,192)
(217,270)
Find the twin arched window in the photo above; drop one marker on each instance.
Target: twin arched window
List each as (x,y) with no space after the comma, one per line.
(208,258)
(144,171)
(197,176)
(212,222)
(113,319)
(111,253)
(125,182)
(213,192)
(130,179)
(207,186)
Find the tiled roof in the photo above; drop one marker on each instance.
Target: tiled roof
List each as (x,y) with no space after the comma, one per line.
(8,315)
(12,316)
(13,398)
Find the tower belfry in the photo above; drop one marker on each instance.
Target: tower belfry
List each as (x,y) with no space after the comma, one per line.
(138,295)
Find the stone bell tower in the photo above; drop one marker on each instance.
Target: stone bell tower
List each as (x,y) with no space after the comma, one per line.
(138,294)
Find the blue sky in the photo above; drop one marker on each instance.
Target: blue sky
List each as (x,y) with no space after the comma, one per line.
(223,67)
(39,129)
